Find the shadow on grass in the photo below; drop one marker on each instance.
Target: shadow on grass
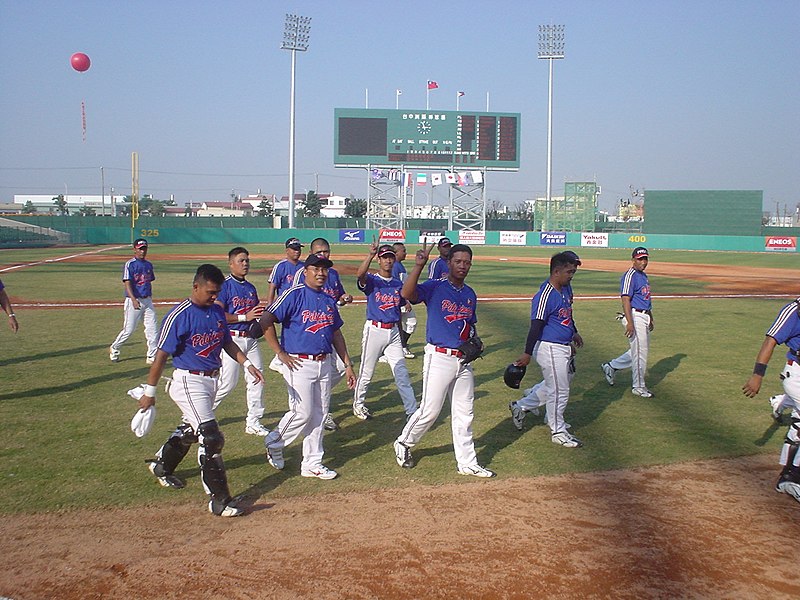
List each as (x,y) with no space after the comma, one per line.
(49,390)
(51,354)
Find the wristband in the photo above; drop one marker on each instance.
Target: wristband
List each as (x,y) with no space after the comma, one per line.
(11,315)
(247,363)
(150,390)
(241,318)
(760,369)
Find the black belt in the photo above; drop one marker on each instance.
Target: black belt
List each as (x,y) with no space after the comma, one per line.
(213,373)
(647,312)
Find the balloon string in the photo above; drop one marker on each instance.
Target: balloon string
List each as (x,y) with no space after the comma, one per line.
(83,119)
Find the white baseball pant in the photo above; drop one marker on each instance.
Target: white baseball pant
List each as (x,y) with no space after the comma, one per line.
(445,375)
(132,316)
(376,341)
(635,358)
(194,395)
(408,321)
(309,399)
(791,387)
(554,362)
(229,378)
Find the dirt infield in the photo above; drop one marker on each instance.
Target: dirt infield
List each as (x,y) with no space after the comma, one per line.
(710,529)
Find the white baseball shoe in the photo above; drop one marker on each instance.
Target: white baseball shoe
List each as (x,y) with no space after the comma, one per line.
(361,411)
(275,457)
(642,392)
(256,429)
(167,481)
(608,372)
(566,439)
(402,454)
(113,355)
(517,415)
(226,510)
(476,471)
(789,487)
(150,360)
(320,472)
(329,424)
(408,353)
(775,402)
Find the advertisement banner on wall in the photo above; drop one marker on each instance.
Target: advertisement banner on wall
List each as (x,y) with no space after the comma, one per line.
(430,235)
(351,236)
(776,243)
(552,238)
(469,237)
(594,240)
(390,236)
(512,238)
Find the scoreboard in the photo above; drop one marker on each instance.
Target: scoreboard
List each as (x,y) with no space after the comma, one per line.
(426,138)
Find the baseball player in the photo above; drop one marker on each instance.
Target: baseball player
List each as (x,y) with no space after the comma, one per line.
(439,265)
(239,299)
(137,277)
(335,289)
(451,320)
(550,337)
(310,331)
(784,330)
(282,274)
(381,332)
(638,322)
(536,397)
(408,319)
(6,304)
(194,333)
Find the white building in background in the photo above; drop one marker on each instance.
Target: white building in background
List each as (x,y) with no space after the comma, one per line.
(44,203)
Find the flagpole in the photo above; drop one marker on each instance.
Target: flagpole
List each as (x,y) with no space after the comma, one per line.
(458,100)
(487,101)
(366,97)
(427,96)
(397,99)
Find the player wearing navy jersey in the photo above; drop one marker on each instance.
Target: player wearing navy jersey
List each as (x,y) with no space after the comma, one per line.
(6,304)
(451,305)
(408,318)
(784,330)
(381,334)
(550,337)
(137,277)
(536,397)
(310,331)
(438,268)
(194,333)
(282,275)
(239,299)
(638,322)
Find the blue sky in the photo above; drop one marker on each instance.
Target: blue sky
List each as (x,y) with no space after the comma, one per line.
(655,95)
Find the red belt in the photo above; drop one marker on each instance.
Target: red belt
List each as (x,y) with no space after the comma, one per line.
(383,325)
(317,357)
(213,373)
(450,351)
(238,333)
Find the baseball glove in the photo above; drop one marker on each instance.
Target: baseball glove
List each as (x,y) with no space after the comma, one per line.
(254,330)
(471,349)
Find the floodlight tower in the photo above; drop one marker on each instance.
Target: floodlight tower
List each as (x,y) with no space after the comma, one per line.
(551,47)
(296,34)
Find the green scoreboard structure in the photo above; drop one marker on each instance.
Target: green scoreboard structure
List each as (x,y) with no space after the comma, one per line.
(432,139)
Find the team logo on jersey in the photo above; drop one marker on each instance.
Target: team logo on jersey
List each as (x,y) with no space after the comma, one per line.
(210,339)
(455,312)
(386,301)
(645,290)
(237,302)
(318,319)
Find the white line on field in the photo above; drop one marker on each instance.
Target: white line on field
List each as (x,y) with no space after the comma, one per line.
(59,259)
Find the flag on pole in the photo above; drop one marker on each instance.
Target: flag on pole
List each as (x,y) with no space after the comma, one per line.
(436,179)
(432,85)
(450,177)
(399,92)
(422,179)
(407,180)
(460,94)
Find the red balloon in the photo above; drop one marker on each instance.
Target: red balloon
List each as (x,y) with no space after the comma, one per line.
(80,62)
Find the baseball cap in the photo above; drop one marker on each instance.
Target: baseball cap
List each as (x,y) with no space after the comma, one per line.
(572,256)
(444,242)
(640,252)
(140,243)
(317,260)
(293,243)
(385,250)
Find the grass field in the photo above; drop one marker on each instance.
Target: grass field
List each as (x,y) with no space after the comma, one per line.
(65,411)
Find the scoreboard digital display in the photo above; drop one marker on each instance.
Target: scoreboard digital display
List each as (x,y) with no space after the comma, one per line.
(426,138)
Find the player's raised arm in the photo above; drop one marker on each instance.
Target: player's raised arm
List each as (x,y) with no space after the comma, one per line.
(409,291)
(361,273)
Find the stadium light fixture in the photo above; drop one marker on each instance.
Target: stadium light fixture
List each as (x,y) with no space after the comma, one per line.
(551,47)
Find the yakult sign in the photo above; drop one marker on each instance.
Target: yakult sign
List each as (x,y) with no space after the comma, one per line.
(775,243)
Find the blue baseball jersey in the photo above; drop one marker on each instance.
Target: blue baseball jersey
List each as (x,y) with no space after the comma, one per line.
(451,312)
(194,335)
(786,329)
(383,298)
(237,297)
(636,285)
(554,307)
(333,285)
(309,319)
(438,268)
(139,272)
(399,271)
(282,275)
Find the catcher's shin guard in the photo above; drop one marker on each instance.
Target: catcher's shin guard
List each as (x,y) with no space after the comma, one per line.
(212,468)
(174,450)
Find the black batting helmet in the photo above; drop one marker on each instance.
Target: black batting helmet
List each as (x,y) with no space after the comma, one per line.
(513,375)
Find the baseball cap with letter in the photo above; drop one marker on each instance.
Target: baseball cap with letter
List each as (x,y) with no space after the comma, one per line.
(444,243)
(317,260)
(385,250)
(640,252)
(140,243)
(293,243)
